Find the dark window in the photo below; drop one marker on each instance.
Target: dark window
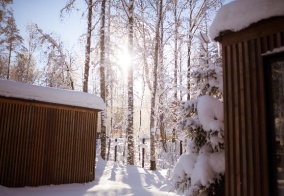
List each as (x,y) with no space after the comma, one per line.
(274,75)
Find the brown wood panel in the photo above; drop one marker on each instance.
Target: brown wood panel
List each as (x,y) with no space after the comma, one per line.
(278,40)
(71,143)
(226,135)
(262,118)
(41,145)
(261,29)
(247,138)
(14,148)
(243,131)
(231,142)
(235,111)
(255,113)
(244,106)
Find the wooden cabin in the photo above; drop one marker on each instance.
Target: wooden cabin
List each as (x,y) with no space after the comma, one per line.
(253,71)
(47,136)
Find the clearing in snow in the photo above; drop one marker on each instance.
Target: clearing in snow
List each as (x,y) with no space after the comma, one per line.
(111,179)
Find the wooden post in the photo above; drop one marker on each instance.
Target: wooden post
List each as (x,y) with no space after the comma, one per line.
(143,152)
(180,147)
(109,141)
(115,149)
(139,149)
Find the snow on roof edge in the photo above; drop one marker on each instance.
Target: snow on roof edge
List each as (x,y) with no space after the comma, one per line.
(50,95)
(274,51)
(238,15)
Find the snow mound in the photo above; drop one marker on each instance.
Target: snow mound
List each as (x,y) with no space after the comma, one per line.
(190,146)
(208,167)
(210,113)
(50,95)
(184,166)
(240,14)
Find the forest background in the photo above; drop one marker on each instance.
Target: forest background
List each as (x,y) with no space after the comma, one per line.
(145,58)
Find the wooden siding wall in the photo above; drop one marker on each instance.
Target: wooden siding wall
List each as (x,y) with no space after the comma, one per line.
(42,144)
(244,105)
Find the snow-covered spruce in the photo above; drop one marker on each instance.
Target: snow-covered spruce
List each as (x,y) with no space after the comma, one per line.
(210,113)
(201,169)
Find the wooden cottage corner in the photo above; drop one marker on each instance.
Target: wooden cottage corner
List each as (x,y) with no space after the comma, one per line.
(43,143)
(249,127)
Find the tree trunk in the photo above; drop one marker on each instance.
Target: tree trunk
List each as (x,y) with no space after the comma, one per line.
(175,50)
(102,80)
(88,47)
(162,89)
(130,138)
(188,67)
(9,61)
(153,99)
(162,132)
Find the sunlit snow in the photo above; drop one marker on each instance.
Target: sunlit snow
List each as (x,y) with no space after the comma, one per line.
(111,179)
(50,95)
(240,14)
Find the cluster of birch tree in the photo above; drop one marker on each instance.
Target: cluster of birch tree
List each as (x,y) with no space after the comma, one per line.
(162,39)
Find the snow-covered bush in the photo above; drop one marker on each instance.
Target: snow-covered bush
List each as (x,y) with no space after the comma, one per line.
(202,167)
(200,171)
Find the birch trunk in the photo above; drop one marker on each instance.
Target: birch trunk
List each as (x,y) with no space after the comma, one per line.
(154,92)
(130,138)
(102,80)
(88,47)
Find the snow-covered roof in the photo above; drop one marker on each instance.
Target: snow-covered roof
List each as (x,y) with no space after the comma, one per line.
(50,95)
(240,14)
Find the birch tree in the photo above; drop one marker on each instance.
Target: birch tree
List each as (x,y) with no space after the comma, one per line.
(24,67)
(102,79)
(10,39)
(162,88)
(154,90)
(129,9)
(197,12)
(57,72)
(88,47)
(90,6)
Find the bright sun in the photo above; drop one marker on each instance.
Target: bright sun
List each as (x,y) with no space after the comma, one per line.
(123,59)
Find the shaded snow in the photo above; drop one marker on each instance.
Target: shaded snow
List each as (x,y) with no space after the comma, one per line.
(50,95)
(111,179)
(208,167)
(240,14)
(184,167)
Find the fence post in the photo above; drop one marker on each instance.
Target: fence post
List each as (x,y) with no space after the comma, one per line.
(115,149)
(180,147)
(109,141)
(143,152)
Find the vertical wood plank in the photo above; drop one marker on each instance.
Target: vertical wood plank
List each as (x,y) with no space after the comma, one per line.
(243,130)
(226,114)
(262,120)
(248,118)
(256,128)
(236,120)
(49,146)
(231,128)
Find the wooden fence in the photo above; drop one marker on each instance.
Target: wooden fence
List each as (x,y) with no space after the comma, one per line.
(247,164)
(43,144)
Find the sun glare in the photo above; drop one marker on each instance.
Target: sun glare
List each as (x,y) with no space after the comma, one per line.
(123,59)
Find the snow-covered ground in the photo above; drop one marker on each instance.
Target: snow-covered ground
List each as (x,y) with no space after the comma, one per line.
(111,179)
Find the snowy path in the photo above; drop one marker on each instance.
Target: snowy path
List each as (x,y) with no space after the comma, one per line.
(111,180)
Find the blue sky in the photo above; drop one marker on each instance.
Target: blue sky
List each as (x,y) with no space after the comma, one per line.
(46,13)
